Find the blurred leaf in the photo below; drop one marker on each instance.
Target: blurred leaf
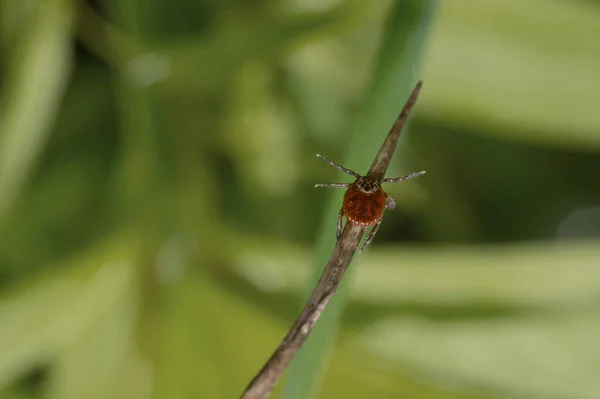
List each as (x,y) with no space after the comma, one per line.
(40,320)
(13,16)
(272,36)
(91,364)
(201,346)
(201,63)
(517,275)
(403,44)
(199,341)
(356,374)
(60,202)
(519,69)
(183,343)
(520,275)
(533,357)
(36,81)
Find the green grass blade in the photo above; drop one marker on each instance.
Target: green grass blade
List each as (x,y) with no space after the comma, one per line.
(36,81)
(39,320)
(523,70)
(402,47)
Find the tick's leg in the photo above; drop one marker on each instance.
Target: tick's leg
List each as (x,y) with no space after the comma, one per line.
(391,204)
(371,235)
(332,185)
(338,167)
(339,226)
(398,179)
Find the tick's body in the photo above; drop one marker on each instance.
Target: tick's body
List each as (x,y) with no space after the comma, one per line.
(363,208)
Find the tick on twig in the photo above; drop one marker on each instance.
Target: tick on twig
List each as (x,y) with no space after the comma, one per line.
(364,204)
(365,200)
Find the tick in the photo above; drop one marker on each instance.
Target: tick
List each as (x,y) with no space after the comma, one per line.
(364,200)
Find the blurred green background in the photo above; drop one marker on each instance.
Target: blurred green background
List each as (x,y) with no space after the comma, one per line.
(159,228)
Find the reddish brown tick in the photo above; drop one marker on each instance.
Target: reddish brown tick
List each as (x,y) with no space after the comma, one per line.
(365,200)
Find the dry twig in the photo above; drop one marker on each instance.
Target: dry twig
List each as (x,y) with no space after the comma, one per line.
(262,384)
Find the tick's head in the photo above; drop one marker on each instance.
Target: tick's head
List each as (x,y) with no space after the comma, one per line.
(368,184)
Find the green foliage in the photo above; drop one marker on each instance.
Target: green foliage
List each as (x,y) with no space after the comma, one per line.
(399,57)
(159,230)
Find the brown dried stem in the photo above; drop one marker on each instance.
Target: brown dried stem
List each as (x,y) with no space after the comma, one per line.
(262,384)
